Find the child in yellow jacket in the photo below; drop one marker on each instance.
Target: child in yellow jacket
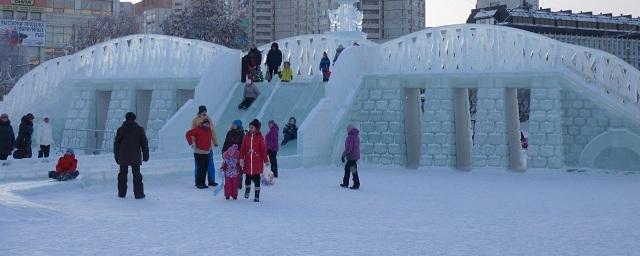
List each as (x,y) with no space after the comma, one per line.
(286,75)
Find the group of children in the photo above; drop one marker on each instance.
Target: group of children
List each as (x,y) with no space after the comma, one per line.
(243,152)
(251,91)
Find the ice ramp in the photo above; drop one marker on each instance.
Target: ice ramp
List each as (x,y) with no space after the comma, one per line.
(291,99)
(231,111)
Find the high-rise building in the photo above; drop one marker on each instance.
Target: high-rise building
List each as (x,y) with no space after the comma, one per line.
(383,19)
(150,14)
(618,35)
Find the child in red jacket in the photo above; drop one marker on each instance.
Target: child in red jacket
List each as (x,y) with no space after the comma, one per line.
(231,170)
(199,139)
(66,167)
(253,158)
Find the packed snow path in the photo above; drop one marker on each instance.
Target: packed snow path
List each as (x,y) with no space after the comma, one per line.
(396,212)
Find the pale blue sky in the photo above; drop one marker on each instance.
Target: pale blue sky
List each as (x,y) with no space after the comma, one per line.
(445,12)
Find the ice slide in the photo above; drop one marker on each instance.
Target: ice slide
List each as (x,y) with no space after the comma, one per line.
(277,101)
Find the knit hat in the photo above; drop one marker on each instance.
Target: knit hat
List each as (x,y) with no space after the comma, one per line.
(130,116)
(237,123)
(202,109)
(272,122)
(69,151)
(256,123)
(4,115)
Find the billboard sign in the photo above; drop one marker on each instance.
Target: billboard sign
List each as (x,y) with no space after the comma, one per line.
(22,32)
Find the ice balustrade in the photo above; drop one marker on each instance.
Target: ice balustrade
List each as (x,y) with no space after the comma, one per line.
(134,56)
(305,52)
(498,49)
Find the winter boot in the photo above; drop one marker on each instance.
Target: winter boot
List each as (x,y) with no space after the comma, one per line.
(246,192)
(257,196)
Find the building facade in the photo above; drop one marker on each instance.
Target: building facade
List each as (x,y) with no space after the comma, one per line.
(618,35)
(150,14)
(511,4)
(383,19)
(22,39)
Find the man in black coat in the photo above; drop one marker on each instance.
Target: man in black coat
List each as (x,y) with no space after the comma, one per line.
(130,148)
(274,60)
(7,137)
(23,141)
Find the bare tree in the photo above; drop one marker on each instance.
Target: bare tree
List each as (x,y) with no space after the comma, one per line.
(207,20)
(104,28)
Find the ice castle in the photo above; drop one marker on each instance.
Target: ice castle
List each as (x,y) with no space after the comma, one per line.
(584,103)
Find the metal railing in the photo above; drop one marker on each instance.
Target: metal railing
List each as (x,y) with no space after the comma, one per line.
(91,141)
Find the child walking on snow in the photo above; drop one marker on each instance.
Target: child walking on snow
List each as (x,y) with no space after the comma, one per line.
(253,157)
(351,154)
(231,170)
(251,92)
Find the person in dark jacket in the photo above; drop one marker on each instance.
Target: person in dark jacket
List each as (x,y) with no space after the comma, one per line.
(325,63)
(351,154)
(23,141)
(255,60)
(130,148)
(235,135)
(290,131)
(7,137)
(274,60)
(338,52)
(245,68)
(271,139)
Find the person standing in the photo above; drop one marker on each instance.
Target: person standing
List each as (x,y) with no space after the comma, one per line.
(235,135)
(23,142)
(338,52)
(253,157)
(199,139)
(274,60)
(272,146)
(45,138)
(197,121)
(351,154)
(7,137)
(130,148)
(231,170)
(255,60)
(325,63)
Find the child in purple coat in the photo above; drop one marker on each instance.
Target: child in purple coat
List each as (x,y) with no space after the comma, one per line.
(351,154)
(272,146)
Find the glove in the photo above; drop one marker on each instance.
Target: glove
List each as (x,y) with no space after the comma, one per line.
(342,158)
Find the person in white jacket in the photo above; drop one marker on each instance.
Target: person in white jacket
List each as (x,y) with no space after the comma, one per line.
(45,138)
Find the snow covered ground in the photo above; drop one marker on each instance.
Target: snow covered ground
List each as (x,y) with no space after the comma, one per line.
(396,212)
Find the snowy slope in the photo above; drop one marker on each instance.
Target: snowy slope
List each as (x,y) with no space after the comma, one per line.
(396,212)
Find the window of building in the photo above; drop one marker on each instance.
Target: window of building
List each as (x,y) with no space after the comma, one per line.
(7,15)
(370,2)
(263,18)
(373,12)
(263,33)
(36,16)
(21,15)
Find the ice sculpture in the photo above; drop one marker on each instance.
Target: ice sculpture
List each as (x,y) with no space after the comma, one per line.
(346,17)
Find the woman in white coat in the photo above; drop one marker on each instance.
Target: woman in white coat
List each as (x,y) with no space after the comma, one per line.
(45,138)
